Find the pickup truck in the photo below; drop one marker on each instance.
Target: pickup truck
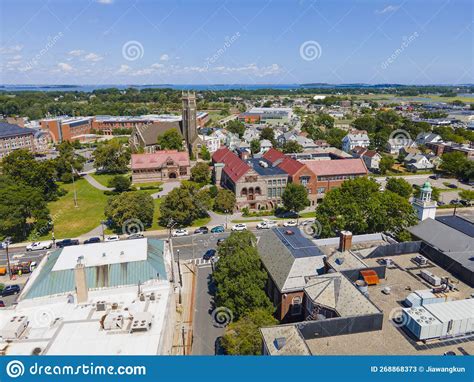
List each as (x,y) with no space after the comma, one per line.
(67,243)
(38,245)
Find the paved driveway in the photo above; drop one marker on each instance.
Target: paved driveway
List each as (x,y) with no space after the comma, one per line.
(167,187)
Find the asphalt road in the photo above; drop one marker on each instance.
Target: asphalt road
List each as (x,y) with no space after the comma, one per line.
(206,330)
(194,246)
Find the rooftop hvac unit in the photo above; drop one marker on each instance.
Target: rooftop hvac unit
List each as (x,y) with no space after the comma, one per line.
(141,322)
(101,306)
(152,296)
(114,305)
(14,327)
(430,277)
(113,321)
(421,260)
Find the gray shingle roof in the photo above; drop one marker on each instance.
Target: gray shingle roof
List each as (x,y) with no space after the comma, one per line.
(10,130)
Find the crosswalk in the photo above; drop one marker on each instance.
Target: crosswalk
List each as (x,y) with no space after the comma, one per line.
(201,262)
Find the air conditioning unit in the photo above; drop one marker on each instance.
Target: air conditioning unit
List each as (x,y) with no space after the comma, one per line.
(14,328)
(141,322)
(101,306)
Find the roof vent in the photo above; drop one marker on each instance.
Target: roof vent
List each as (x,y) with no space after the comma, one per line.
(103,254)
(122,253)
(280,342)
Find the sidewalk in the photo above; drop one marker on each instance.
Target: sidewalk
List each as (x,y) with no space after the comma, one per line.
(185,310)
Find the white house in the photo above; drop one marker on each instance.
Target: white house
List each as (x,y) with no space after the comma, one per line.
(212,143)
(394,145)
(354,139)
(424,138)
(415,162)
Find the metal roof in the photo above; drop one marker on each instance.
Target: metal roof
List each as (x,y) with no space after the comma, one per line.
(50,282)
(10,130)
(269,170)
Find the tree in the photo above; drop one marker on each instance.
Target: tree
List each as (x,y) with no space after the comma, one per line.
(112,157)
(204,153)
(183,205)
(386,164)
(21,166)
(170,140)
(68,163)
(291,147)
(267,133)
(453,163)
(200,173)
(130,209)
(21,208)
(255,146)
(295,197)
(325,120)
(243,336)
(399,186)
(236,127)
(360,207)
(224,201)
(239,277)
(467,195)
(365,122)
(120,183)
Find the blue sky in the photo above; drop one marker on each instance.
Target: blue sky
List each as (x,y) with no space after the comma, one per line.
(226,42)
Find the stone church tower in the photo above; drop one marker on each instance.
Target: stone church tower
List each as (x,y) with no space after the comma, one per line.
(189,123)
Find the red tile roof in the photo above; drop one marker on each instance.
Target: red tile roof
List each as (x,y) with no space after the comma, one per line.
(289,165)
(234,167)
(157,159)
(337,167)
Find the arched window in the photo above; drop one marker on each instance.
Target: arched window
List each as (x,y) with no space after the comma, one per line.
(243,192)
(258,191)
(251,190)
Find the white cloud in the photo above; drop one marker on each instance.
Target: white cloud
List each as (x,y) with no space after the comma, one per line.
(157,66)
(93,57)
(17,57)
(76,52)
(11,49)
(164,57)
(65,67)
(106,2)
(123,69)
(387,9)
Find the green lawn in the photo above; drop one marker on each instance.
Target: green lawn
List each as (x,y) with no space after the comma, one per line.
(70,221)
(103,178)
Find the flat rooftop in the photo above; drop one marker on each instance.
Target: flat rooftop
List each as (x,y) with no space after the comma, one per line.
(57,327)
(284,340)
(97,254)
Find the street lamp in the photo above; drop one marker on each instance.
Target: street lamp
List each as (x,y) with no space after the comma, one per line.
(103,233)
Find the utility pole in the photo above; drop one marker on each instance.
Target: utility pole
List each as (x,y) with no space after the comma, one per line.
(179,270)
(7,242)
(103,233)
(184,340)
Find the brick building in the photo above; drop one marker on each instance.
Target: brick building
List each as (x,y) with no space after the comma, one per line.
(14,137)
(161,166)
(255,182)
(67,129)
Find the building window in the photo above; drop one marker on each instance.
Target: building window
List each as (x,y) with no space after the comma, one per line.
(296,306)
(304,180)
(321,190)
(243,192)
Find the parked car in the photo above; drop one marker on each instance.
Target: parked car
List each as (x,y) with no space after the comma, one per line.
(441,203)
(454,201)
(135,236)
(217,229)
(112,238)
(435,176)
(452,185)
(290,223)
(267,224)
(210,253)
(239,227)
(10,290)
(92,240)
(306,222)
(450,352)
(180,232)
(2,304)
(67,243)
(202,230)
(39,245)
(220,241)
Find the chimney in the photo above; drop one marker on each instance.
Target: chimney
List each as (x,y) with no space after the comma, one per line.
(81,282)
(345,241)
